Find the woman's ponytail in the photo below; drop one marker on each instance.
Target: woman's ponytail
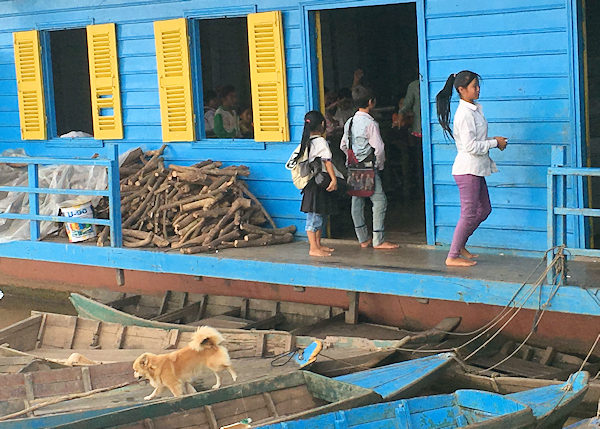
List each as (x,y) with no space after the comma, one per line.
(442,101)
(313,121)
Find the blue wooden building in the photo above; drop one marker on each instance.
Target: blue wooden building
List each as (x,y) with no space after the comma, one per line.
(142,69)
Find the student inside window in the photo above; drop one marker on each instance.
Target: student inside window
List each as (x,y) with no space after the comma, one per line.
(225,69)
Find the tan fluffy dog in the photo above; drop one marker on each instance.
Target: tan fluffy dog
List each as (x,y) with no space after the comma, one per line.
(178,369)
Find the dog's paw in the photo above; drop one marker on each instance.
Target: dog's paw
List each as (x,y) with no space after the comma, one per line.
(147,398)
(216,386)
(234,377)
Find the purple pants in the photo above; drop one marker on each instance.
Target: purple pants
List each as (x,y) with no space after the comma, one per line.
(474,208)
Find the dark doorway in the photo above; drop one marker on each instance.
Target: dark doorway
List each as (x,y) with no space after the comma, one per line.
(592,44)
(381,41)
(71,81)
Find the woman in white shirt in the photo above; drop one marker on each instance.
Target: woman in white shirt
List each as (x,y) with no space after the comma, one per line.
(317,200)
(472,162)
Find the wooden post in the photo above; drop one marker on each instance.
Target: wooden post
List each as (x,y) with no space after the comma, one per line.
(352,312)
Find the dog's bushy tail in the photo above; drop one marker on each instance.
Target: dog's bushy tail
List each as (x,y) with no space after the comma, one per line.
(204,337)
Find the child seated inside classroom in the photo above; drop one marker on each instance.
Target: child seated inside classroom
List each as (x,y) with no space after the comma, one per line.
(227,121)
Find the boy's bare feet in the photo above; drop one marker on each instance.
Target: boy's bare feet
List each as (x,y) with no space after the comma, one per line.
(459,262)
(327,249)
(466,254)
(387,245)
(318,252)
(366,244)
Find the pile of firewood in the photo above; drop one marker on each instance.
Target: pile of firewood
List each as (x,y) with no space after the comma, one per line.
(201,208)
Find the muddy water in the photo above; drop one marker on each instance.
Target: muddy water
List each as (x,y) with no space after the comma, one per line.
(18,302)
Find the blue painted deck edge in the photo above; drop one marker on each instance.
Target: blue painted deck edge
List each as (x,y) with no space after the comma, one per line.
(568,299)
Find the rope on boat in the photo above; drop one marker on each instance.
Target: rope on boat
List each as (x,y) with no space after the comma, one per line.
(569,386)
(558,260)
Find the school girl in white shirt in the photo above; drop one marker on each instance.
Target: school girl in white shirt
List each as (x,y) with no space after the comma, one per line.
(472,163)
(317,201)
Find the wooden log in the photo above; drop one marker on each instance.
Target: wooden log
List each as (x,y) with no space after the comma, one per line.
(274,231)
(103,236)
(211,213)
(262,241)
(200,204)
(227,237)
(194,250)
(246,191)
(132,157)
(237,204)
(139,243)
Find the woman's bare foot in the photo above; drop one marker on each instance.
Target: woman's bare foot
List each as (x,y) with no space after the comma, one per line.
(327,249)
(366,244)
(459,262)
(387,245)
(466,254)
(318,252)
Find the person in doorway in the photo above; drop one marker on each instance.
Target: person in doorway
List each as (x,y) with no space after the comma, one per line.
(359,89)
(211,102)
(412,158)
(345,107)
(316,200)
(472,163)
(368,145)
(227,122)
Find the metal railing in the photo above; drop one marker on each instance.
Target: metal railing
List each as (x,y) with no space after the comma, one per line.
(33,190)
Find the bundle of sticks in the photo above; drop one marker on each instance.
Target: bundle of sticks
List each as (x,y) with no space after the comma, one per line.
(201,208)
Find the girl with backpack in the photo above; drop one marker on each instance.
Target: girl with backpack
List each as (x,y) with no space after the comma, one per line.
(472,163)
(317,200)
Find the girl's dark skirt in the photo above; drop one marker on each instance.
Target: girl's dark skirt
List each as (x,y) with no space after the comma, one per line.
(316,199)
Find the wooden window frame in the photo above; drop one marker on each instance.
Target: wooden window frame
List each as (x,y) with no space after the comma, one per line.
(193,17)
(53,140)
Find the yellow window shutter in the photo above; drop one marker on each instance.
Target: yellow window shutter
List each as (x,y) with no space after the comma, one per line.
(104,81)
(30,86)
(174,81)
(268,78)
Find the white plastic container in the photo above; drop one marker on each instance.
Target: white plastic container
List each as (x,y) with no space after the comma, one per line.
(80,209)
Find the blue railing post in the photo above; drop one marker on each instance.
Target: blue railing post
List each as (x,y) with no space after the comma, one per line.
(34,202)
(114,200)
(551,239)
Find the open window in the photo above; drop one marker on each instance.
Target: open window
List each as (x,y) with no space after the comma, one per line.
(71,99)
(238,64)
(72,84)
(225,78)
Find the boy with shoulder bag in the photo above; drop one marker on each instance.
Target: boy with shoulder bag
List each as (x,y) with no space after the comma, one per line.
(364,147)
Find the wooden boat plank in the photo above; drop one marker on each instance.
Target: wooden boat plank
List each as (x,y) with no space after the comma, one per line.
(180,313)
(592,423)
(342,363)
(552,405)
(400,379)
(520,367)
(121,303)
(30,363)
(21,335)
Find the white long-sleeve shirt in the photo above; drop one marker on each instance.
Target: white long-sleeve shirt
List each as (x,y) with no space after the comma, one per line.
(365,135)
(472,142)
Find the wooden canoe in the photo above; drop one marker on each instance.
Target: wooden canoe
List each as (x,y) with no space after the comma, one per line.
(460,409)
(403,379)
(56,336)
(218,311)
(465,376)
(593,423)
(19,391)
(552,405)
(297,395)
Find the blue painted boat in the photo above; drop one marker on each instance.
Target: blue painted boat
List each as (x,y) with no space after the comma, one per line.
(43,422)
(464,408)
(593,423)
(552,405)
(400,380)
